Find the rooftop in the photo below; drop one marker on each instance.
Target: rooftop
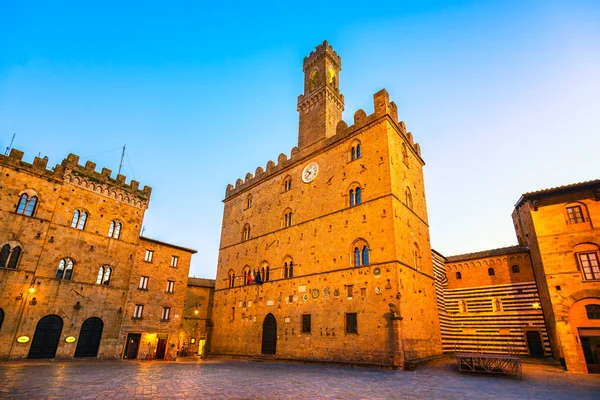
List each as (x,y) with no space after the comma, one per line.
(202,282)
(169,244)
(488,253)
(593,184)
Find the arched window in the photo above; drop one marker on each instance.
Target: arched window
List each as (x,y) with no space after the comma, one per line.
(458,275)
(404,154)
(593,311)
(351,197)
(246,232)
(515,269)
(416,256)
(355,196)
(61,269)
(13,260)
(356,257)
(79,219)
(69,270)
(288,219)
(249,201)
(264,273)
(65,269)
(4,253)
(491,272)
(231,279)
(104,275)
(358,152)
(114,231)
(26,205)
(353,153)
(365,255)
(409,201)
(288,269)
(287,184)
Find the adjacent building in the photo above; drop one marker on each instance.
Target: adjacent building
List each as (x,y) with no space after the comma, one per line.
(72,264)
(338,235)
(197,323)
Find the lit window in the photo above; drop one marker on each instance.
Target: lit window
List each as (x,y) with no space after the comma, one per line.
(170,286)
(79,219)
(515,269)
(114,231)
(104,274)
(458,275)
(166,313)
(306,323)
(143,283)
(9,257)
(491,272)
(589,265)
(593,311)
(575,214)
(26,205)
(65,269)
(149,256)
(138,311)
(351,323)
(174,261)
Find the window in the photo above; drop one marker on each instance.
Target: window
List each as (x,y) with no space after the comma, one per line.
(575,215)
(249,201)
(515,269)
(355,152)
(264,273)
(231,279)
(361,256)
(114,231)
(287,184)
(351,323)
(26,204)
(166,313)
(246,233)
(9,256)
(458,275)
(174,261)
(79,219)
(289,269)
(104,275)
(416,256)
(589,265)
(288,219)
(491,272)
(350,290)
(247,276)
(170,286)
(365,255)
(143,283)
(355,196)
(306,323)
(149,256)
(138,311)
(65,269)
(409,201)
(593,311)
(404,154)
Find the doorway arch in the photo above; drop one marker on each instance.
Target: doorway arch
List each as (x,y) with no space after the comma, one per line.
(269,335)
(535,344)
(89,338)
(46,337)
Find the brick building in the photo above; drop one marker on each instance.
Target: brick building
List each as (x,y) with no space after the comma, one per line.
(339,234)
(70,258)
(197,316)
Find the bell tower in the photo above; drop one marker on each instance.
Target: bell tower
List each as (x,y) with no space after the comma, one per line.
(321,105)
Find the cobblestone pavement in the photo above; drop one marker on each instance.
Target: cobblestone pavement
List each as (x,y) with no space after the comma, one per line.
(232,379)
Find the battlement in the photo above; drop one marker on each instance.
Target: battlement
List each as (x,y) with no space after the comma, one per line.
(85,177)
(322,50)
(382,108)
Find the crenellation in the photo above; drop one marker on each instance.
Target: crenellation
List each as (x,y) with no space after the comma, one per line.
(359,116)
(106,172)
(248,177)
(16,155)
(90,166)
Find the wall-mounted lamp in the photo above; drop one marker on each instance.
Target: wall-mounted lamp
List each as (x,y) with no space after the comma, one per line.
(77,306)
(536,305)
(31,290)
(196,312)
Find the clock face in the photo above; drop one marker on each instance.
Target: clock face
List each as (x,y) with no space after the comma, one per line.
(310,172)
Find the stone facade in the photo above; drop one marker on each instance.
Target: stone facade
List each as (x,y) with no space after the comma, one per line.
(339,235)
(490,303)
(560,226)
(69,241)
(197,323)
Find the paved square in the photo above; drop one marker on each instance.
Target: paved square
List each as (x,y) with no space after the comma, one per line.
(231,379)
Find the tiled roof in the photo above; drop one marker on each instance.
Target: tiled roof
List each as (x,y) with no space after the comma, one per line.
(169,244)
(557,189)
(487,253)
(202,282)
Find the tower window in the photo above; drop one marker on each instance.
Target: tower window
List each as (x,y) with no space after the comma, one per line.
(288,219)
(289,269)
(249,201)
(355,196)
(65,269)
(287,184)
(79,219)
(458,275)
(515,269)
(491,272)
(26,205)
(264,273)
(104,274)
(409,200)
(246,233)
(9,257)
(174,261)
(170,286)
(361,255)
(231,279)
(114,230)
(166,314)
(143,283)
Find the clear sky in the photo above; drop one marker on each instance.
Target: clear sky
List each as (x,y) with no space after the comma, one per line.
(503,96)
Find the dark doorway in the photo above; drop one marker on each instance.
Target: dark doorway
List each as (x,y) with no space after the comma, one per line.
(89,338)
(534,343)
(160,349)
(269,338)
(591,353)
(46,337)
(1,317)
(133,345)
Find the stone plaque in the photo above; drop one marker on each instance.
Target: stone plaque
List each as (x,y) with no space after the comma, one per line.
(301,288)
(270,302)
(315,293)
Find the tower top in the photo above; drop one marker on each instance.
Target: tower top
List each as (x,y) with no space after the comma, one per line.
(321,105)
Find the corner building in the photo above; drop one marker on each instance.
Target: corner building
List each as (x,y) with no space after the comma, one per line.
(339,235)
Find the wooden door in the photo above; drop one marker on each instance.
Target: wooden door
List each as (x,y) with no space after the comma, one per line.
(591,353)
(269,337)
(160,349)
(46,337)
(89,338)
(534,342)
(133,345)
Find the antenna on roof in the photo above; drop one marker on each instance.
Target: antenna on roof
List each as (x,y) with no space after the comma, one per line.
(9,147)
(121,163)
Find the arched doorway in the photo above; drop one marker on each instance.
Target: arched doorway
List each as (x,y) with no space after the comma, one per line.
(89,338)
(46,337)
(534,343)
(269,337)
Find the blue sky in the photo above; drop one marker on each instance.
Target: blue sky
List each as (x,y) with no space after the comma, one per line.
(503,96)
